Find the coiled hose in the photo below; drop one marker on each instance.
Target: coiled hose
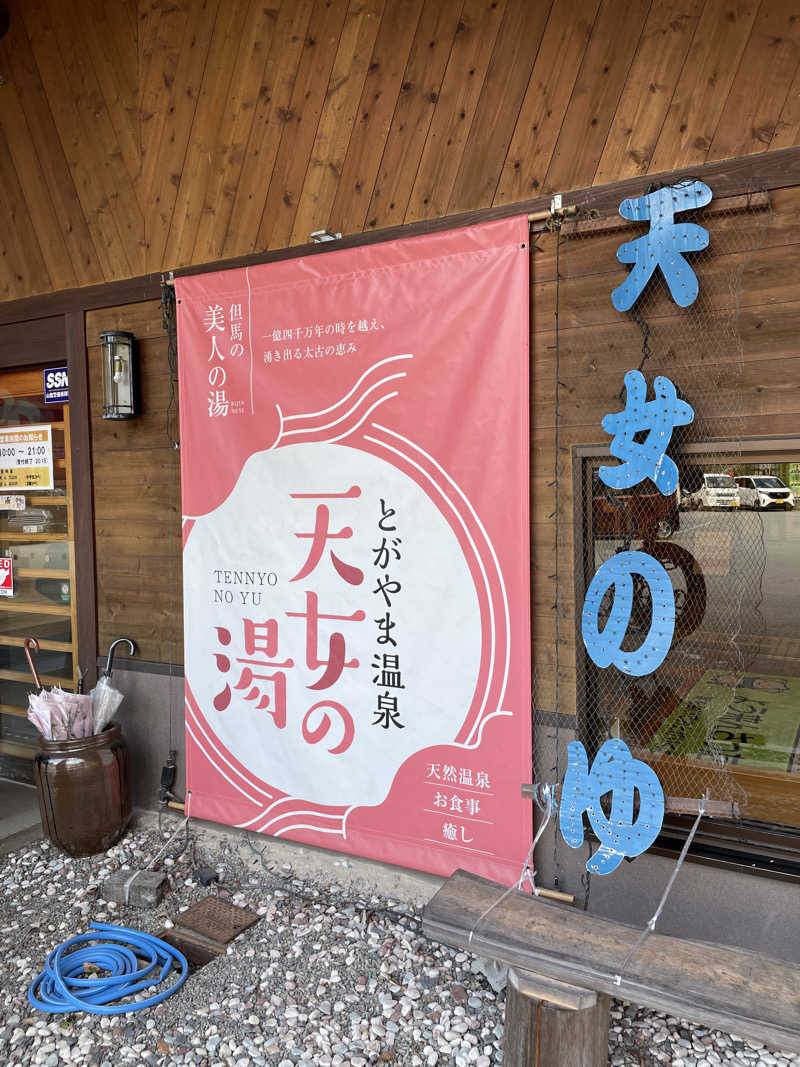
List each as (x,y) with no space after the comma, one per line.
(135,960)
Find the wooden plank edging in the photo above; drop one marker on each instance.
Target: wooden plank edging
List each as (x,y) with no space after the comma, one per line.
(733,990)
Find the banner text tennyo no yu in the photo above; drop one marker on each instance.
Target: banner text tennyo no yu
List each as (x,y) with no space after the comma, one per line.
(354,443)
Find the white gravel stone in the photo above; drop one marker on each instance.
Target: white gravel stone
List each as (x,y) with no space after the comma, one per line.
(323,979)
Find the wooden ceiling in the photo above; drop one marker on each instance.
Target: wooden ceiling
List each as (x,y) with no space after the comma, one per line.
(136,137)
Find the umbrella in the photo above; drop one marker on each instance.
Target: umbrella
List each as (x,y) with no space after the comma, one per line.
(57,715)
(105,698)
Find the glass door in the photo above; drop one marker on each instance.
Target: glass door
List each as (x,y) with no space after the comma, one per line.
(37,551)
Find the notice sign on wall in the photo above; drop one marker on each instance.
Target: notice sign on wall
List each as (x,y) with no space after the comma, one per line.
(354,445)
(26,457)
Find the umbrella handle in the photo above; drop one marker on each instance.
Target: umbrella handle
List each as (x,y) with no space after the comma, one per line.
(112,646)
(28,644)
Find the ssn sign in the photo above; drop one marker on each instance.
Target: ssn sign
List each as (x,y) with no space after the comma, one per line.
(56,385)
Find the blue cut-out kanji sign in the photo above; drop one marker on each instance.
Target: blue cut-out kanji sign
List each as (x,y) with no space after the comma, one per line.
(658,417)
(664,245)
(616,771)
(605,646)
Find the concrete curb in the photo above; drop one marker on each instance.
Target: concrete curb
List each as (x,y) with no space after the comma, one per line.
(307,861)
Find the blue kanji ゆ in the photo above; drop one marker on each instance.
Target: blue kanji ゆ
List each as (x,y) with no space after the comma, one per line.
(658,417)
(605,646)
(616,771)
(664,245)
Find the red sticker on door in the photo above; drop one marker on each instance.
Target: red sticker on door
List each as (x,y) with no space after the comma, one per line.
(6,577)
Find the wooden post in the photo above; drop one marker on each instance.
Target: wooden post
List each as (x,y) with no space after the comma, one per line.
(552,1024)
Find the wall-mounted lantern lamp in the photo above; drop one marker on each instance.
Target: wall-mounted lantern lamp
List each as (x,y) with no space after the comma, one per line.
(120,375)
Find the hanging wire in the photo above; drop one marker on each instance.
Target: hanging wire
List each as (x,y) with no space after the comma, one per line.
(556,507)
(171,428)
(528,872)
(657,913)
(586,877)
(637,317)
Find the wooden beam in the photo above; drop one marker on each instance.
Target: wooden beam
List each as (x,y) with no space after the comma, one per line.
(732,177)
(690,979)
(86,298)
(17,748)
(562,994)
(81,460)
(721,809)
(757,201)
(550,1023)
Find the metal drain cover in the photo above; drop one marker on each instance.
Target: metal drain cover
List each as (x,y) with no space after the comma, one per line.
(211,925)
(214,920)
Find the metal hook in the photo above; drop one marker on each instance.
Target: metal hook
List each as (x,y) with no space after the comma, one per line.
(28,644)
(112,646)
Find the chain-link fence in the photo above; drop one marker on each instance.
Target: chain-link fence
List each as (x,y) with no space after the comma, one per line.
(704,535)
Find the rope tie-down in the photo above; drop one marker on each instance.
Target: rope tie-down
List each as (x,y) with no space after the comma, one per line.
(133,960)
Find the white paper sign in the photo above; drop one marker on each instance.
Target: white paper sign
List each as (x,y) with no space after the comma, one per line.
(26,457)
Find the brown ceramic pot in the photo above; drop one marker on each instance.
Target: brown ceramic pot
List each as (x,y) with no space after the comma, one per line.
(84,791)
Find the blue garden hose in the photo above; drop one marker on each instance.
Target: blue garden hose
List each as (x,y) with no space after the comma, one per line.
(134,959)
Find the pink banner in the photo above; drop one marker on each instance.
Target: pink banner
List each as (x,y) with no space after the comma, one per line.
(354,444)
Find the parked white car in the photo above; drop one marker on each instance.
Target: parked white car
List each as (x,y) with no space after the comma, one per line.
(761,491)
(716,491)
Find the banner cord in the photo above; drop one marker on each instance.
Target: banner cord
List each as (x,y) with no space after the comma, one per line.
(657,913)
(528,872)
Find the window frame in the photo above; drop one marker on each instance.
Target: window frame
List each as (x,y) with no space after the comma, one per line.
(746,846)
(51,339)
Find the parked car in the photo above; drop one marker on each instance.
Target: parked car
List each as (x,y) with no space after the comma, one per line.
(759,491)
(714,491)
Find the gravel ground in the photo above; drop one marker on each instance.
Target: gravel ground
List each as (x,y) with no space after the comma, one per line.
(327,977)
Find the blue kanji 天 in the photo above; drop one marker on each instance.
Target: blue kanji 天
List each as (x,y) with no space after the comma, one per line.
(605,646)
(659,417)
(616,771)
(664,245)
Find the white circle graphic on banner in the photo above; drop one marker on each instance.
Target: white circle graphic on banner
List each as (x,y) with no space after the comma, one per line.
(245,617)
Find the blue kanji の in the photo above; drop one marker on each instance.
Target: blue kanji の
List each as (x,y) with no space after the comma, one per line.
(605,646)
(658,418)
(664,245)
(616,771)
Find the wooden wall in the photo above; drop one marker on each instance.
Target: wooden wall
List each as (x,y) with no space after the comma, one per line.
(141,135)
(737,391)
(137,498)
(137,477)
